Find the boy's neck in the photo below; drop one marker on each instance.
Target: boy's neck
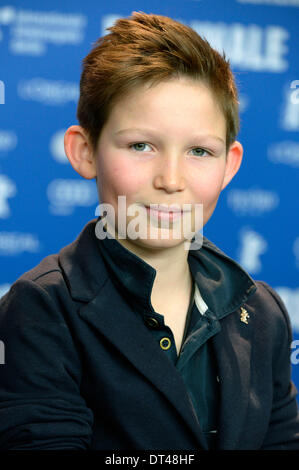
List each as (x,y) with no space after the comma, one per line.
(171,265)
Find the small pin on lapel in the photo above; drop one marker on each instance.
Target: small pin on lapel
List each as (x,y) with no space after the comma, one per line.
(244,315)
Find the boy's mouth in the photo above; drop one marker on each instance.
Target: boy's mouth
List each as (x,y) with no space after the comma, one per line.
(164,212)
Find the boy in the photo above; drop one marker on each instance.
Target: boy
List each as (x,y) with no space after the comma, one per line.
(126,339)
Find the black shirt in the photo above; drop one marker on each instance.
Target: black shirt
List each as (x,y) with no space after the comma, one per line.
(195,360)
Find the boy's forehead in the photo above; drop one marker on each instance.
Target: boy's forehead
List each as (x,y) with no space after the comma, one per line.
(178,102)
(172,85)
(172,93)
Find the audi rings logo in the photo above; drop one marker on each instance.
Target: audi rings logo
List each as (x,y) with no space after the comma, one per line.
(65,194)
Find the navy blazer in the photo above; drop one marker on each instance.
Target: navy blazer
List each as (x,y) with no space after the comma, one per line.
(83,371)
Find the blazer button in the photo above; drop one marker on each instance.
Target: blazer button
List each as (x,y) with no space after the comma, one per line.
(165,343)
(152,322)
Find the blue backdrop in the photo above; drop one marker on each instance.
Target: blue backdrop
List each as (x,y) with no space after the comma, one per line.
(44,204)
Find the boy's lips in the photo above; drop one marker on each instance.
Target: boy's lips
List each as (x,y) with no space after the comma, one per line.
(163,208)
(164,212)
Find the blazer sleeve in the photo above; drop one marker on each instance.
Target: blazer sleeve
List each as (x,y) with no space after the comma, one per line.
(283,431)
(40,402)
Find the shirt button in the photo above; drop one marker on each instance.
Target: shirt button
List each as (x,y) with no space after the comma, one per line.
(165,343)
(152,322)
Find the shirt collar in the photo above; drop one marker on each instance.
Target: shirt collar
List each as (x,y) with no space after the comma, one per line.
(222,284)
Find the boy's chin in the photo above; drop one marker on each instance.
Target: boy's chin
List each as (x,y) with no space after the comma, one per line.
(157,243)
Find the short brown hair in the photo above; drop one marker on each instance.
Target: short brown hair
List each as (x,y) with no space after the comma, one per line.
(148,48)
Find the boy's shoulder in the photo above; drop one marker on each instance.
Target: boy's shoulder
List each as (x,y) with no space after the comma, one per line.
(57,275)
(259,297)
(41,289)
(47,268)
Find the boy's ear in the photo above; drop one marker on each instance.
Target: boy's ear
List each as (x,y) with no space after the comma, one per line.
(233,162)
(79,152)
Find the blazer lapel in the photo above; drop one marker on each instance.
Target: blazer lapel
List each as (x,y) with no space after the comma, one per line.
(112,316)
(232,347)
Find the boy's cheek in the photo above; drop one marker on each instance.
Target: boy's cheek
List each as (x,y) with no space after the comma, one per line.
(207,186)
(206,192)
(123,181)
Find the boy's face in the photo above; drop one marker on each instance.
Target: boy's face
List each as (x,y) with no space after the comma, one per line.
(165,145)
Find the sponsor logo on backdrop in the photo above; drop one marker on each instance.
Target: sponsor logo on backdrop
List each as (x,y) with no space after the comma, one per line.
(7,15)
(57,147)
(30,32)
(65,195)
(254,202)
(290,298)
(7,190)
(4,288)
(289,115)
(15,243)
(252,246)
(285,152)
(248,46)
(107,21)
(48,92)
(8,140)
(244,101)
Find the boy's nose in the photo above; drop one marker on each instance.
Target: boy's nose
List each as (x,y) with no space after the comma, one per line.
(169,175)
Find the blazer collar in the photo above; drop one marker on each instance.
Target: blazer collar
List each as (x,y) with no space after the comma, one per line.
(88,261)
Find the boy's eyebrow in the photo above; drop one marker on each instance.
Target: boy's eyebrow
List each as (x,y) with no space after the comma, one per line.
(123,131)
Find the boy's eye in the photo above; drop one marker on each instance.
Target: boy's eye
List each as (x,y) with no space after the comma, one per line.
(139,146)
(142,147)
(199,152)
